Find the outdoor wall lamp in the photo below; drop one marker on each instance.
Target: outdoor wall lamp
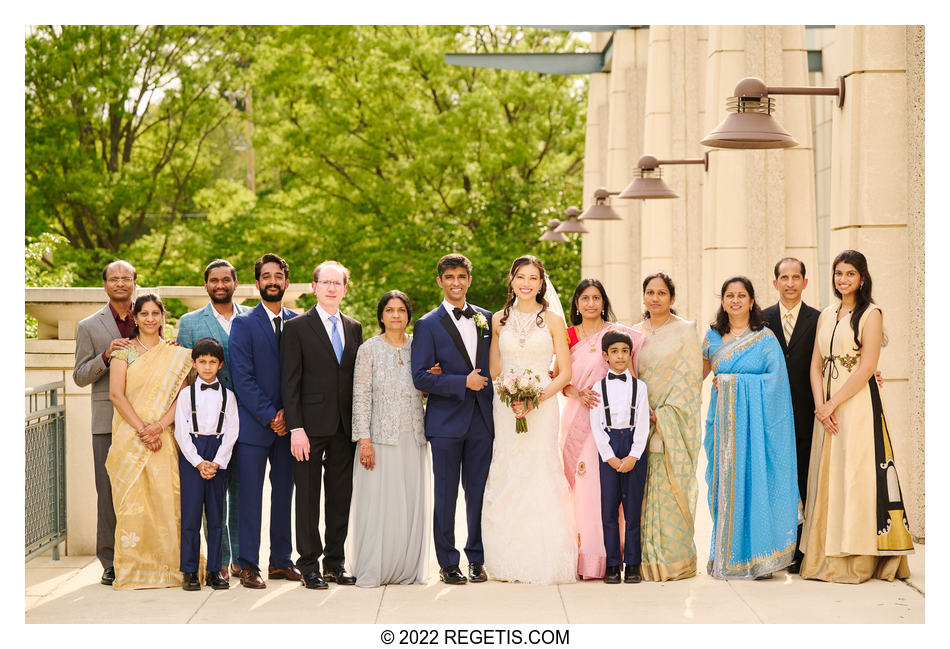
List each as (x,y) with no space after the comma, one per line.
(750,124)
(647,181)
(600,210)
(551,235)
(571,225)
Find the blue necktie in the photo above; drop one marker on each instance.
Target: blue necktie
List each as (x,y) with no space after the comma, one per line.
(335,340)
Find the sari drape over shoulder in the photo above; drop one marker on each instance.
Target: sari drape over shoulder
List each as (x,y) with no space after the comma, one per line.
(750,449)
(145,488)
(671,367)
(579,452)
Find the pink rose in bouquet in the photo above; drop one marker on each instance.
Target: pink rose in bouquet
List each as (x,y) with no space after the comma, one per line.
(519,385)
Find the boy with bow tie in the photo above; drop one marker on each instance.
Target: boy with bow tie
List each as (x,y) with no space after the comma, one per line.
(206,428)
(620,424)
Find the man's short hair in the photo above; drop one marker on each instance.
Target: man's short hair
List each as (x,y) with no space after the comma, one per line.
(135,274)
(792,259)
(612,337)
(331,263)
(220,263)
(454,261)
(207,347)
(270,258)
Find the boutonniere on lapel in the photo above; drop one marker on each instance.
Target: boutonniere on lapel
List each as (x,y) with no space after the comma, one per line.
(480,322)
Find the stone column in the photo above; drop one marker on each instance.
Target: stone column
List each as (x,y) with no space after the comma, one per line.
(626,92)
(877,208)
(595,171)
(671,228)
(758,205)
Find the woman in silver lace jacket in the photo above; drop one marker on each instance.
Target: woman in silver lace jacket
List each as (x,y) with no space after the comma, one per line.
(390,513)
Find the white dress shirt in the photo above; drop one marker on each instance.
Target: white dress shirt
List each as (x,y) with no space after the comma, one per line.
(270,318)
(325,317)
(618,395)
(208,409)
(467,329)
(226,322)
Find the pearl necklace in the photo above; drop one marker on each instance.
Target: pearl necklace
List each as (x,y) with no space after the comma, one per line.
(653,329)
(139,341)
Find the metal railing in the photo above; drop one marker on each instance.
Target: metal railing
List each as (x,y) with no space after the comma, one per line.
(45,429)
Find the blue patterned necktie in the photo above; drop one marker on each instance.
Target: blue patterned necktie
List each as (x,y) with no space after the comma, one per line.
(335,340)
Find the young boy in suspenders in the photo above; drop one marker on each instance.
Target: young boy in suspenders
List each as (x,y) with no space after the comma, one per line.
(206,427)
(620,424)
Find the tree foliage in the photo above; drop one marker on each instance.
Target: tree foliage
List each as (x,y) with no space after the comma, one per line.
(367,149)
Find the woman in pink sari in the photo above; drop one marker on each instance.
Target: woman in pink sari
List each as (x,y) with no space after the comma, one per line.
(591,317)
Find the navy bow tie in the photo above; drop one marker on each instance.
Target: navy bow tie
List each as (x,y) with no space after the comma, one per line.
(622,377)
(468,312)
(210,386)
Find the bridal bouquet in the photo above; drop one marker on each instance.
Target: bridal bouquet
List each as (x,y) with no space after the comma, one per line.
(519,385)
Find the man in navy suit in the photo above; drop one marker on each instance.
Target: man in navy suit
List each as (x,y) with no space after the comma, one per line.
(458,418)
(214,321)
(255,369)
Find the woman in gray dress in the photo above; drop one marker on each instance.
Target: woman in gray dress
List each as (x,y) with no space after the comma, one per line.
(390,513)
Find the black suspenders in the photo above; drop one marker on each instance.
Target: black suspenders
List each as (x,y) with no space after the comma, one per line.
(603,388)
(224,402)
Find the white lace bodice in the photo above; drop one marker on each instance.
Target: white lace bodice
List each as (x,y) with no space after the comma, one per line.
(524,344)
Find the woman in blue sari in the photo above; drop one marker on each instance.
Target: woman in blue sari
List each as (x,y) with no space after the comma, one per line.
(750,442)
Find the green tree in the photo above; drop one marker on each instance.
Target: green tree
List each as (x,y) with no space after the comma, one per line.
(117,125)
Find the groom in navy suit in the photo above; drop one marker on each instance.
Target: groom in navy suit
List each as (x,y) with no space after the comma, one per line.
(458,420)
(255,369)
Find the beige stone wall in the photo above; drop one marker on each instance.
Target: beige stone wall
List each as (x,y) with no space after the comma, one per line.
(877,208)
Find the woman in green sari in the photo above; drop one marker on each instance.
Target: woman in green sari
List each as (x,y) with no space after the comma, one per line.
(144,381)
(670,364)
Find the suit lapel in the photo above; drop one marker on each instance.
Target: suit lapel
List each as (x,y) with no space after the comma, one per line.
(453,331)
(802,323)
(214,327)
(320,331)
(349,335)
(108,323)
(264,316)
(775,321)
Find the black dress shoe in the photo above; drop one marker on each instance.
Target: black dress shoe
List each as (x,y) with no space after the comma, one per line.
(476,573)
(631,574)
(216,581)
(191,582)
(452,576)
(108,576)
(612,575)
(315,580)
(339,575)
(795,568)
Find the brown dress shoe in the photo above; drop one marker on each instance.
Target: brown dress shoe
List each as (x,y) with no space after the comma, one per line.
(235,570)
(251,578)
(225,575)
(290,572)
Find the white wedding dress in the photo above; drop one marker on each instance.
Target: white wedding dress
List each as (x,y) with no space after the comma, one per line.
(528,528)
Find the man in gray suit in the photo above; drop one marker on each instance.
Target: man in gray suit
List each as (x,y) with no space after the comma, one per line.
(96,338)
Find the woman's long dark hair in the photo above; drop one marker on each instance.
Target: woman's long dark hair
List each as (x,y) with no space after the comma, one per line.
(669,286)
(862,297)
(756,319)
(606,313)
(539,298)
(139,304)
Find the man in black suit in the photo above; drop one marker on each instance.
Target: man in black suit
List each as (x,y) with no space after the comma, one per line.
(317,358)
(794,324)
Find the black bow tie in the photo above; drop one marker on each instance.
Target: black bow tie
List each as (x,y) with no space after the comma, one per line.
(468,312)
(622,377)
(210,386)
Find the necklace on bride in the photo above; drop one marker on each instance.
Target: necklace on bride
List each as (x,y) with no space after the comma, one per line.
(521,325)
(590,337)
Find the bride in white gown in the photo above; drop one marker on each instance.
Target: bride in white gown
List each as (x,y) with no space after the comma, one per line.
(527,519)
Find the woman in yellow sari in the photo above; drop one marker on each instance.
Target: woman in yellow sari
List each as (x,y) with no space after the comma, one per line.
(144,381)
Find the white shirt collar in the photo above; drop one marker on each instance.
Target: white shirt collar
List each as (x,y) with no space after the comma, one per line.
(217,314)
(794,310)
(449,307)
(326,316)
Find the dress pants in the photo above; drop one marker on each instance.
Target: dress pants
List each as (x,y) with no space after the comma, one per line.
(105,512)
(251,463)
(198,496)
(625,489)
(331,457)
(469,455)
